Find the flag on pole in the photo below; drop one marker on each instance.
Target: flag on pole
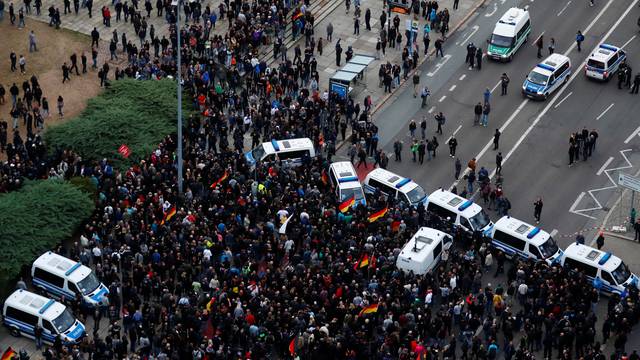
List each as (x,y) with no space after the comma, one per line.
(168,215)
(292,347)
(347,204)
(219,181)
(325,177)
(283,227)
(124,151)
(369,309)
(8,354)
(377,215)
(395,226)
(365,260)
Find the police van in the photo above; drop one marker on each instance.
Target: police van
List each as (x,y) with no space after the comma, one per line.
(517,238)
(604,62)
(60,277)
(24,310)
(609,270)
(290,152)
(510,32)
(547,77)
(423,251)
(394,186)
(344,181)
(460,211)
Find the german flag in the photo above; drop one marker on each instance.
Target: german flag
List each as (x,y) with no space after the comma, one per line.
(365,261)
(210,304)
(369,310)
(219,181)
(395,226)
(377,215)
(168,215)
(292,347)
(325,177)
(347,204)
(9,354)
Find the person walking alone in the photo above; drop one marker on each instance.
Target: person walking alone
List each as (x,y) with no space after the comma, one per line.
(579,40)
(440,119)
(485,114)
(499,163)
(552,46)
(496,139)
(65,73)
(477,110)
(537,209)
(397,150)
(458,168)
(453,144)
(504,83)
(636,84)
(539,45)
(32,42)
(600,240)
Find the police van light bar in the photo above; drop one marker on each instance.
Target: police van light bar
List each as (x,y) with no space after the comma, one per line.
(605,258)
(348,179)
(402,183)
(533,233)
(465,205)
(275,145)
(72,269)
(546,67)
(46,306)
(608,47)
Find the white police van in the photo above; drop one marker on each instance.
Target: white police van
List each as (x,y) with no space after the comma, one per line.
(61,277)
(423,251)
(24,310)
(510,32)
(612,273)
(460,211)
(515,237)
(547,77)
(394,185)
(604,62)
(344,181)
(290,152)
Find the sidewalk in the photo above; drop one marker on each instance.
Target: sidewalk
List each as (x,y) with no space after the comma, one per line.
(617,222)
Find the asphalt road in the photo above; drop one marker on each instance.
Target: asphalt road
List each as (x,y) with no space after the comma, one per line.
(535,134)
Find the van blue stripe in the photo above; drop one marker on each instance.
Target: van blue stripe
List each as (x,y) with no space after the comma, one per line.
(508,249)
(53,289)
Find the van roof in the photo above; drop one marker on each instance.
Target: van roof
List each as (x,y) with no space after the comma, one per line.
(281,145)
(595,257)
(62,266)
(392,179)
(506,26)
(519,228)
(604,52)
(454,203)
(344,171)
(421,244)
(35,304)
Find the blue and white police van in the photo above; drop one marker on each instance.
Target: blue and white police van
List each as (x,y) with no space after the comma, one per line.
(517,238)
(61,277)
(395,186)
(345,183)
(459,211)
(604,62)
(24,310)
(603,268)
(547,77)
(290,152)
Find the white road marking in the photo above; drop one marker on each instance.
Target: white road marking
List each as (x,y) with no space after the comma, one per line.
(454,133)
(473,31)
(605,111)
(604,166)
(495,8)
(564,8)
(628,41)
(453,87)
(563,99)
(462,77)
(439,65)
(553,232)
(431,110)
(495,87)
(534,43)
(633,134)
(442,98)
(579,212)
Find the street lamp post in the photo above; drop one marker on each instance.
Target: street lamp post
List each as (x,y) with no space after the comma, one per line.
(179,78)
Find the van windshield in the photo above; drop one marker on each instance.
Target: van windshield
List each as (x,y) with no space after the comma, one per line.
(502,41)
(537,78)
(595,63)
(621,274)
(89,284)
(549,248)
(64,321)
(258,153)
(355,192)
(479,220)
(416,195)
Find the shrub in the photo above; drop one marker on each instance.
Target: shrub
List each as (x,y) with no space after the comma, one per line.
(36,218)
(136,113)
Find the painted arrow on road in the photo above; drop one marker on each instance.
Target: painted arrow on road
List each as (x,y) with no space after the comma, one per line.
(437,66)
(474,29)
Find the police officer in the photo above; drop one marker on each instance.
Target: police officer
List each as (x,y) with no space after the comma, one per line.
(629,75)
(622,74)
(636,84)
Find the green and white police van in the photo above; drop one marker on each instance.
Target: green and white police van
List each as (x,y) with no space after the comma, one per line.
(511,31)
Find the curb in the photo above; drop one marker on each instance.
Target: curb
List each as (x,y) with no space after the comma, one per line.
(620,236)
(384,99)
